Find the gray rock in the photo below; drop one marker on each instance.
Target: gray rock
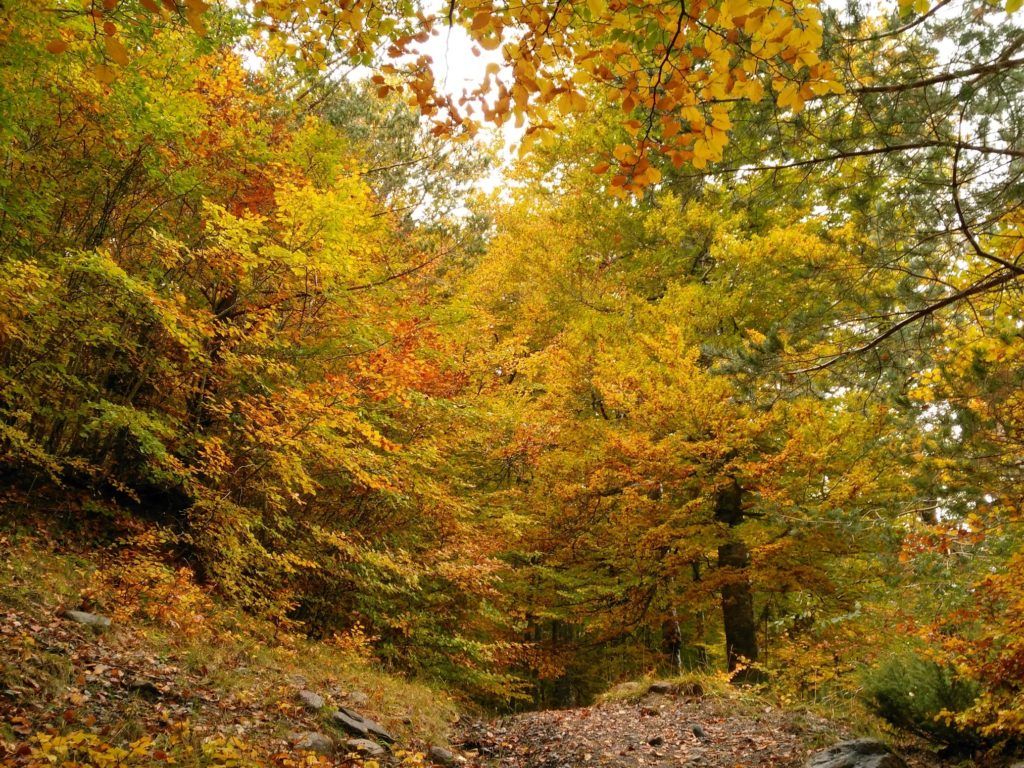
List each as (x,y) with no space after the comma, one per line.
(349,725)
(374,728)
(89,619)
(357,698)
(379,731)
(358,725)
(699,732)
(859,753)
(441,756)
(310,700)
(662,688)
(311,741)
(365,747)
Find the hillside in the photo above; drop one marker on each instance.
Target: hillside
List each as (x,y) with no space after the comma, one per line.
(176,678)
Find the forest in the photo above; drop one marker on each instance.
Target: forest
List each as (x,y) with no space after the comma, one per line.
(686,341)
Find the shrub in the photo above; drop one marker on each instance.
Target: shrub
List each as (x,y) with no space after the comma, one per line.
(922,697)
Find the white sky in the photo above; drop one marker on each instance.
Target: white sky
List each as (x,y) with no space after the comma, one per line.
(457,69)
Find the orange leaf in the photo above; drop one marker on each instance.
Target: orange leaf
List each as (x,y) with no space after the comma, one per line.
(104,74)
(196,22)
(116,51)
(57,46)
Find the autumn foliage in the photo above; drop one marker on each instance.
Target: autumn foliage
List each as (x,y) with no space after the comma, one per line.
(725,374)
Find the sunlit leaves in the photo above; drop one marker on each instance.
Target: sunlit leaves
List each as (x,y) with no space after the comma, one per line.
(656,62)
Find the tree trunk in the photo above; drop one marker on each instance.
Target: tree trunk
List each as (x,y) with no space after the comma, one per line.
(737,597)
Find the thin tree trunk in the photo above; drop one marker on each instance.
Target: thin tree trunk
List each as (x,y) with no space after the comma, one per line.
(737,596)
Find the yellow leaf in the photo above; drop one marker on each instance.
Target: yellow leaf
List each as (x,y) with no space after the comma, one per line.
(104,73)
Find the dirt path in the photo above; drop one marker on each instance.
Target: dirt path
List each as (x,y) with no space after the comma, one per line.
(655,731)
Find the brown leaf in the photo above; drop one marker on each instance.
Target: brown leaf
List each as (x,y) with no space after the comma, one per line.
(116,51)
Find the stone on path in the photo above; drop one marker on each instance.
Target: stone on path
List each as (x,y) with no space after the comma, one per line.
(365,747)
(89,619)
(311,741)
(311,700)
(859,753)
(441,756)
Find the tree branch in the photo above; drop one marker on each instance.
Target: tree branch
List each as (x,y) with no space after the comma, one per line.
(991,282)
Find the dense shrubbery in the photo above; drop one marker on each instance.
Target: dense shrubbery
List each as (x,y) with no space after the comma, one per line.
(923,697)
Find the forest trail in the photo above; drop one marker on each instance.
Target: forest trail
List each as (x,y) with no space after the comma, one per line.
(225,695)
(659,730)
(62,673)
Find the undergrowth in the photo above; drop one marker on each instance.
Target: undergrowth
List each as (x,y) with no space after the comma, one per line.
(219,685)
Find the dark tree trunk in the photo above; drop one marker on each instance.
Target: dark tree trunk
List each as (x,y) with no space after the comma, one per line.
(672,641)
(737,597)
